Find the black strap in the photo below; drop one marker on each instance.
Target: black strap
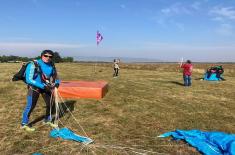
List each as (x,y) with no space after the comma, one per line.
(37,67)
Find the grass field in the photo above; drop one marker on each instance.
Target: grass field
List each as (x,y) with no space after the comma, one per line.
(144,102)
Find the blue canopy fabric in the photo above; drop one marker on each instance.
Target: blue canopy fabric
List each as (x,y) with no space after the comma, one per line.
(212,77)
(209,143)
(67,134)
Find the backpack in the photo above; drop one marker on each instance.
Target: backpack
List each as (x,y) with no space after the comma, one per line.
(20,75)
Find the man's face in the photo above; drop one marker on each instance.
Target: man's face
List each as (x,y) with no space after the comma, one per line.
(47,58)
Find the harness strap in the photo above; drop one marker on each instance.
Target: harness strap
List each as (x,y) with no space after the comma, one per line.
(44,78)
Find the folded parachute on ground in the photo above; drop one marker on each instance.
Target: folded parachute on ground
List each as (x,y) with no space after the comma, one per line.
(67,134)
(209,143)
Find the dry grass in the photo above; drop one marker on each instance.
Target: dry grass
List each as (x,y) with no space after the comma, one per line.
(144,102)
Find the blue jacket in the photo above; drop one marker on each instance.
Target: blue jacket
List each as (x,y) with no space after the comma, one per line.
(35,79)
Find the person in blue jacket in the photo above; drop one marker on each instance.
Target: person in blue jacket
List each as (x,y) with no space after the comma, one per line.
(40,80)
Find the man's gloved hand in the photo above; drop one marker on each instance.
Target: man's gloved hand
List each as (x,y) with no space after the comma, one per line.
(48,88)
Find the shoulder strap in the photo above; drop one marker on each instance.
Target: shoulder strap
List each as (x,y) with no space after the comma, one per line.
(35,63)
(37,66)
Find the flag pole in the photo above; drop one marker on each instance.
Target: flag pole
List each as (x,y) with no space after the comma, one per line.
(99,38)
(181,61)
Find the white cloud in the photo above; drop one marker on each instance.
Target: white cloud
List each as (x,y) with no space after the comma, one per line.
(77,3)
(35,1)
(220,19)
(123,6)
(196,5)
(37,45)
(180,46)
(16,39)
(31,49)
(223,12)
(180,26)
(175,9)
(225,30)
(196,52)
(167,15)
(29,46)
(166,11)
(167,22)
(7,19)
(159,20)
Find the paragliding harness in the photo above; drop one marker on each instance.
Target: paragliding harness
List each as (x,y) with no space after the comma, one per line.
(20,75)
(45,79)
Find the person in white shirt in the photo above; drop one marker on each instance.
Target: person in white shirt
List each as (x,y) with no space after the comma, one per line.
(116,67)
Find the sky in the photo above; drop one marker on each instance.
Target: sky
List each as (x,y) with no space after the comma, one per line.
(199,30)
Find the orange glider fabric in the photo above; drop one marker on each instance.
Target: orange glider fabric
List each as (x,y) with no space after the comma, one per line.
(83,89)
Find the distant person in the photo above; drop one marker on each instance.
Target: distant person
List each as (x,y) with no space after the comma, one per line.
(187,72)
(40,81)
(218,70)
(210,71)
(116,67)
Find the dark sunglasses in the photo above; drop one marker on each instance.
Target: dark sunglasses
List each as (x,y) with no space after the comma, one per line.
(47,56)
